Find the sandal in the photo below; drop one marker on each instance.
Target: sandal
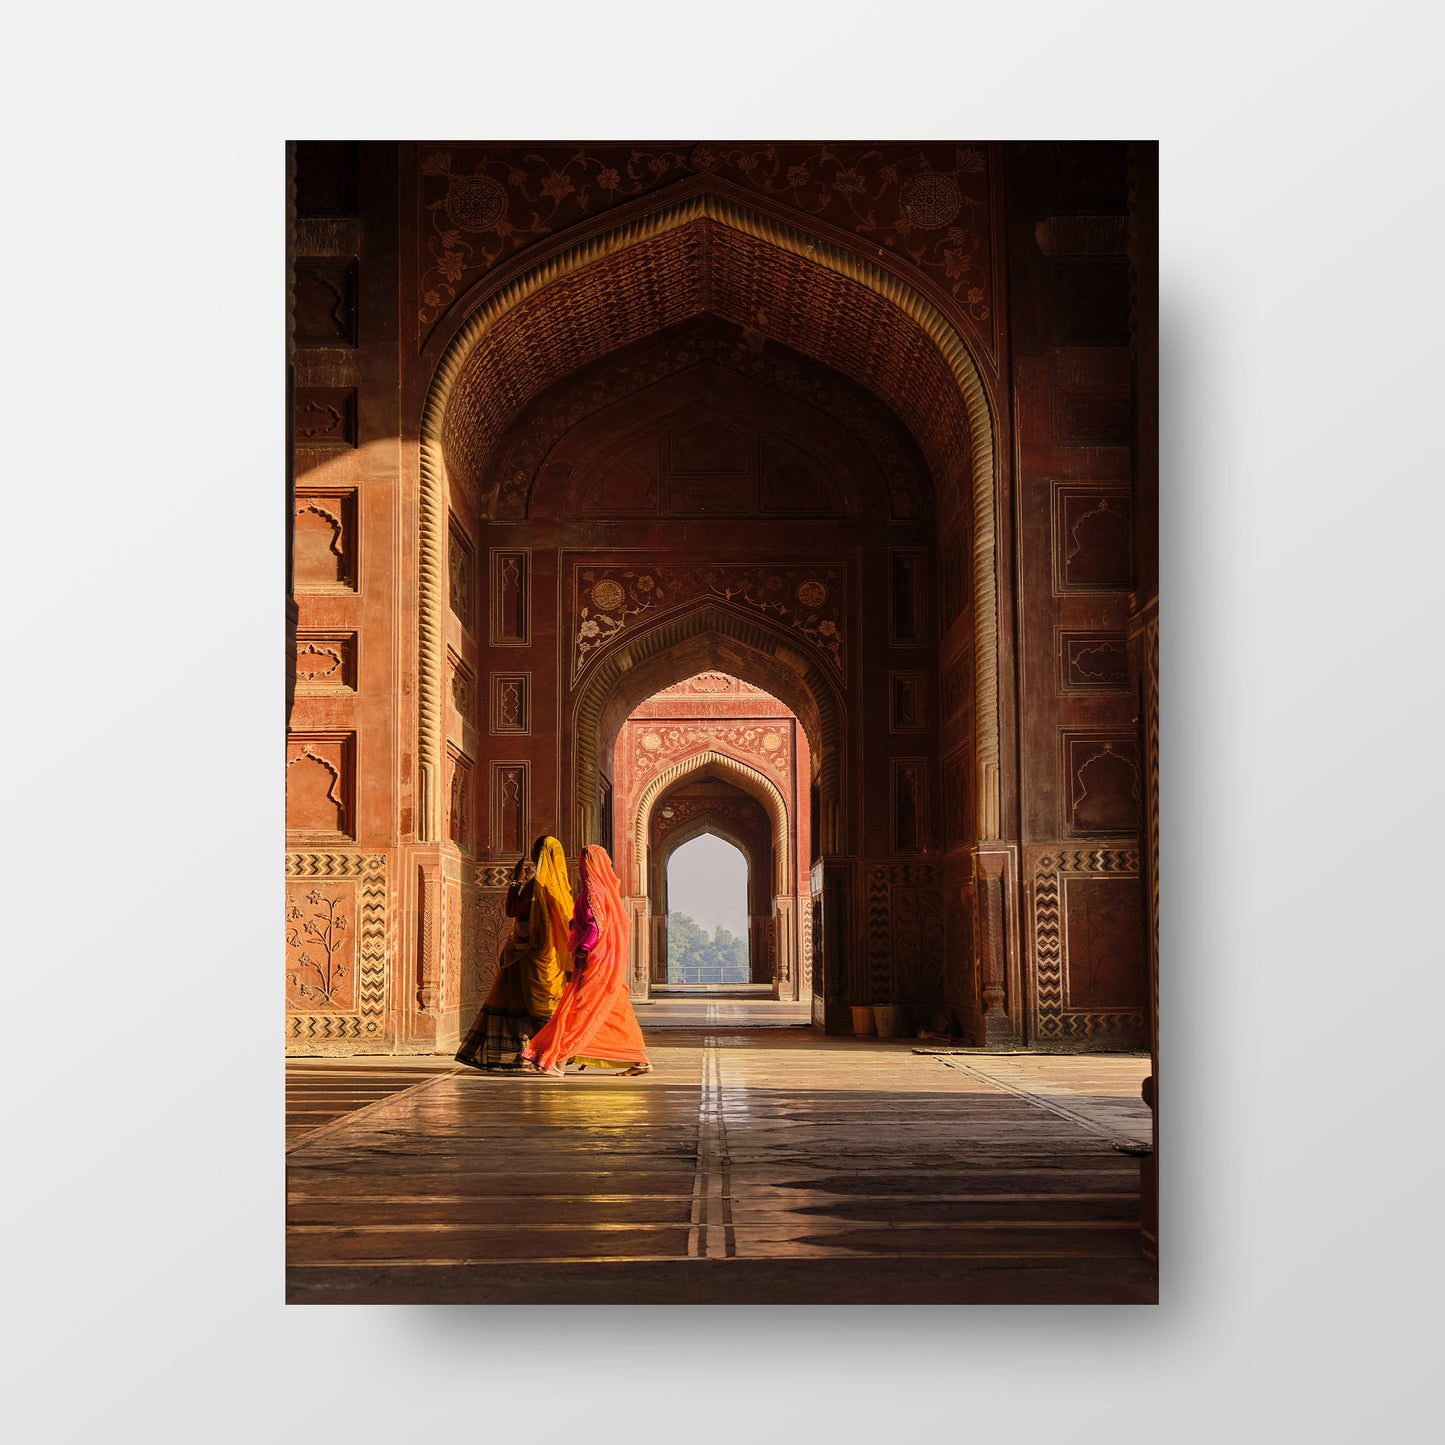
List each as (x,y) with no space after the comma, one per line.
(634,1070)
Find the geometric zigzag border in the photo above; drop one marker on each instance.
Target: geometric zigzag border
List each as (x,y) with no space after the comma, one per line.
(368,1023)
(1051,1021)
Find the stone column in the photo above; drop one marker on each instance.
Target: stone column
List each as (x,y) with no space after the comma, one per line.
(1001,1006)
(421,1012)
(839,962)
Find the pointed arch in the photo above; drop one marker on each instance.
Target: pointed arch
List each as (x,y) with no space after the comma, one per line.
(709,636)
(751,779)
(487,405)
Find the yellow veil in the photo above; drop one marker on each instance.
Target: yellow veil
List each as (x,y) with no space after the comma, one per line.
(556,893)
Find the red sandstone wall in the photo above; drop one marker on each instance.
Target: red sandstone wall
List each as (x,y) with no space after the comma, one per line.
(391,247)
(1080,777)
(345,510)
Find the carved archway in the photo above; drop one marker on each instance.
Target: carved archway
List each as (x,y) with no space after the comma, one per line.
(709,637)
(708,762)
(879,329)
(761,887)
(747,777)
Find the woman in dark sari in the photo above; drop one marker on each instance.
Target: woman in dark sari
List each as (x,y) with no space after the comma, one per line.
(532,962)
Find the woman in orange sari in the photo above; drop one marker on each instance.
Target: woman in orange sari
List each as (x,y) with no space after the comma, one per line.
(593,1022)
(531,962)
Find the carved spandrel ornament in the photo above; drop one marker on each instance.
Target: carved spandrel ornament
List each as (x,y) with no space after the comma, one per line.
(928,205)
(606,601)
(658,746)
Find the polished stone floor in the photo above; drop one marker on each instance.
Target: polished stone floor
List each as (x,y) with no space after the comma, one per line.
(759,1163)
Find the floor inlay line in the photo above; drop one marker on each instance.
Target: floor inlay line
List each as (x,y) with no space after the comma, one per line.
(352,1115)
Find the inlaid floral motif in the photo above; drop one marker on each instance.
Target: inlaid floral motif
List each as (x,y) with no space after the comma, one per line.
(606,600)
(926,205)
(763,746)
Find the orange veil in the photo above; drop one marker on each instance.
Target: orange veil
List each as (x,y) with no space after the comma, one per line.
(594,1021)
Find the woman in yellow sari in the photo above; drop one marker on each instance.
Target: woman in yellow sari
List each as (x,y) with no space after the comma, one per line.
(533,963)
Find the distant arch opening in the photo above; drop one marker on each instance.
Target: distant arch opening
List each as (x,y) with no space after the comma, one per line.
(706,942)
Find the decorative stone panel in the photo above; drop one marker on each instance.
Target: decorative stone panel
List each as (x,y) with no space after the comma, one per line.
(510,711)
(1101,787)
(325,416)
(325,302)
(928,204)
(326,661)
(957,768)
(462,688)
(1093,661)
(511,609)
(906,705)
(510,791)
(1093,539)
(905,932)
(461,576)
(606,601)
(321,784)
(907,620)
(459,804)
(910,805)
(1089,981)
(336,930)
(658,746)
(957,677)
(324,545)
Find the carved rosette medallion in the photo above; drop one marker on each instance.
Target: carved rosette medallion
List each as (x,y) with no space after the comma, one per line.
(931,200)
(607,595)
(476,203)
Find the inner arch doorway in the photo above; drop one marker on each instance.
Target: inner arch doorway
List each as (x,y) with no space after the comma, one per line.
(714,753)
(710,896)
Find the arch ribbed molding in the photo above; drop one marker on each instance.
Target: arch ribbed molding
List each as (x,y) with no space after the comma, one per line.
(727,212)
(756,782)
(824,728)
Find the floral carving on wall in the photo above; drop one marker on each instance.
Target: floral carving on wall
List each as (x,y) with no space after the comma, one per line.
(926,205)
(712,684)
(320,947)
(660,745)
(606,601)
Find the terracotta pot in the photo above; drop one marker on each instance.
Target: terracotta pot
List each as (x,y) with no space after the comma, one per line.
(862,1020)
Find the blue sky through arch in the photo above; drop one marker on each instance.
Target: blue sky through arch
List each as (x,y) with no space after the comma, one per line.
(707,879)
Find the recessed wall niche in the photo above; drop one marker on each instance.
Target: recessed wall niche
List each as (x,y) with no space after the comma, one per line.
(324,542)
